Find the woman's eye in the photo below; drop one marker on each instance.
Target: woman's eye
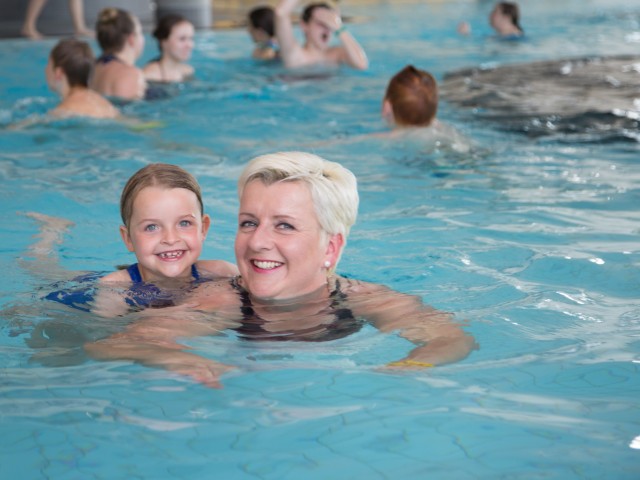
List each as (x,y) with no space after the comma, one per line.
(247,224)
(285,226)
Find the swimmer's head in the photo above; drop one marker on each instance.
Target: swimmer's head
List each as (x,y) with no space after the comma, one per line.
(411,98)
(115,27)
(505,10)
(261,19)
(156,175)
(315,30)
(75,58)
(165,28)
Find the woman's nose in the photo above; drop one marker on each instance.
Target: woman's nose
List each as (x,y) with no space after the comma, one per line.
(260,239)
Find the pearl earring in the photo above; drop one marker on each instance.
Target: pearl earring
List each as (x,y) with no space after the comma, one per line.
(327,264)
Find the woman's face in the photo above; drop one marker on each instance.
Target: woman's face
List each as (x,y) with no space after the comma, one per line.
(281,249)
(179,44)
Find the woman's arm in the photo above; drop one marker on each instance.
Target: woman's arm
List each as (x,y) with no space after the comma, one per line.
(152,338)
(438,339)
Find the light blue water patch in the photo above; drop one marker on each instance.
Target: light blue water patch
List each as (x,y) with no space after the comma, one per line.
(531,243)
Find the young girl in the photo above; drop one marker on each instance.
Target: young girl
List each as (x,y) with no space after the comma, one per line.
(165,227)
(262,31)
(175,42)
(122,42)
(67,74)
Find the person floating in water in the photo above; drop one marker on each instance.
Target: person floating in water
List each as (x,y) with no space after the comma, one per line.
(174,34)
(504,19)
(122,42)
(261,28)
(319,22)
(67,73)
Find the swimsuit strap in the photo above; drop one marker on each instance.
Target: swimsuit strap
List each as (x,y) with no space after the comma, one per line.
(134,273)
(194,272)
(106,58)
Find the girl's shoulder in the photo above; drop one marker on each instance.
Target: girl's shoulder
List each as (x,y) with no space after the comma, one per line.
(216,268)
(119,276)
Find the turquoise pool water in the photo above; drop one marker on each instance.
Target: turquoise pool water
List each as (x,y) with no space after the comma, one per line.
(534,241)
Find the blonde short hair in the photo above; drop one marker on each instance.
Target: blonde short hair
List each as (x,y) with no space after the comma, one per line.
(334,188)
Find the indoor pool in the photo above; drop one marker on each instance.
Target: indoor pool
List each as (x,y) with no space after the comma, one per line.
(533,241)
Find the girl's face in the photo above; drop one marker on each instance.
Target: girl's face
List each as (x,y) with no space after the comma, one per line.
(166,232)
(281,249)
(179,44)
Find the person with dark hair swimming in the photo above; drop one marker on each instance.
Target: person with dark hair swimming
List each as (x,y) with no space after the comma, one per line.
(296,211)
(261,28)
(67,72)
(174,34)
(319,22)
(122,42)
(504,19)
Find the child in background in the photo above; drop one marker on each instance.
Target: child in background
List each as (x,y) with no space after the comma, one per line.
(411,98)
(504,19)
(122,42)
(174,34)
(319,23)
(67,73)
(262,31)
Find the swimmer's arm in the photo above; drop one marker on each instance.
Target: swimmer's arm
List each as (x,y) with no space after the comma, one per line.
(152,340)
(217,268)
(438,339)
(350,51)
(109,300)
(167,355)
(290,49)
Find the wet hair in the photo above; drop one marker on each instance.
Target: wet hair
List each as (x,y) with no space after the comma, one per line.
(413,95)
(161,175)
(263,18)
(334,189)
(308,11)
(112,29)
(511,10)
(165,26)
(75,58)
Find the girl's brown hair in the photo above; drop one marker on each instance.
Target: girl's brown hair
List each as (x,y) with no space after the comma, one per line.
(156,175)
